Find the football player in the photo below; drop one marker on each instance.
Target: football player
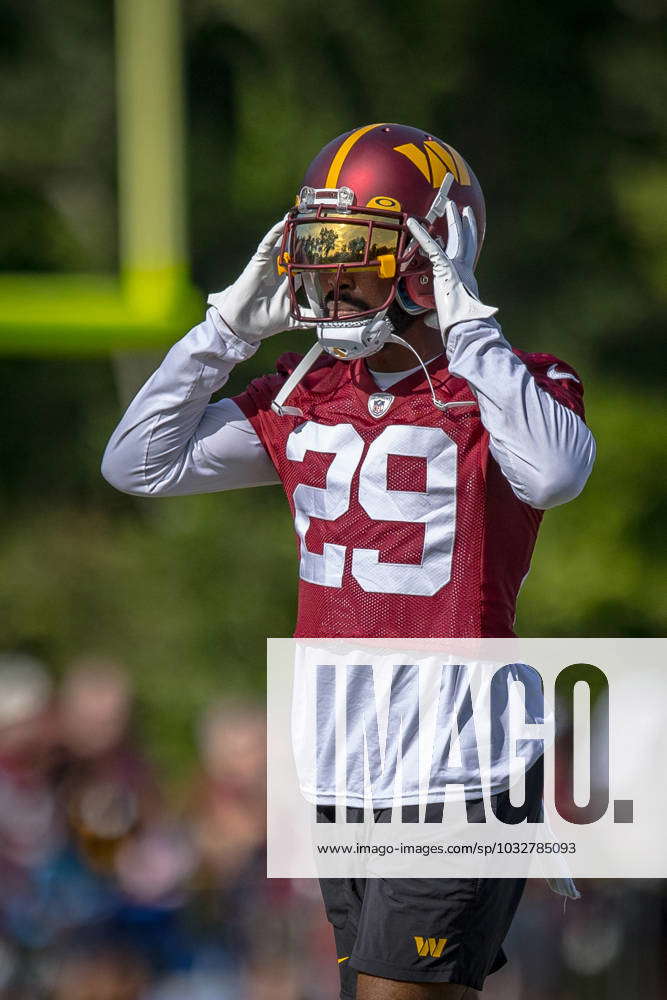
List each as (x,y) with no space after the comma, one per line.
(418,451)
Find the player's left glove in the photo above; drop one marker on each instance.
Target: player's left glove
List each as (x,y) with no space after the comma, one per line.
(454,284)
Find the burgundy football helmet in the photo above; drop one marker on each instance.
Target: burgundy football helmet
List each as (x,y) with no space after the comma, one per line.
(351,214)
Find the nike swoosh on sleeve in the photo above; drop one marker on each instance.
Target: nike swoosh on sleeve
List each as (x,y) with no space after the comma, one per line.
(555,373)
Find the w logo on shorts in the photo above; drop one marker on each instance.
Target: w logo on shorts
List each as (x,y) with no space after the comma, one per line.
(430,946)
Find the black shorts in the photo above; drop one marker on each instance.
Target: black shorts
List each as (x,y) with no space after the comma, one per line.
(394,928)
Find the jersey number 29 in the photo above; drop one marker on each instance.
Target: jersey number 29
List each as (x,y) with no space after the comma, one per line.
(435,507)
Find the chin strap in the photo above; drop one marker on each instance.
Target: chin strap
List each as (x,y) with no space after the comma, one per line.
(438,403)
(309,359)
(302,369)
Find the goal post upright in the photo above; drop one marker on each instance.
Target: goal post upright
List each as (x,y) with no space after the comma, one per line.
(151,300)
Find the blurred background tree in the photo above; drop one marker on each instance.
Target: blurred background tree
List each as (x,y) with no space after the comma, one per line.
(562,110)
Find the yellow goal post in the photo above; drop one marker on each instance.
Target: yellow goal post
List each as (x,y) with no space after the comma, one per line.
(151,301)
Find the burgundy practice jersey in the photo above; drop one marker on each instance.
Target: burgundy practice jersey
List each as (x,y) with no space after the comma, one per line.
(406,526)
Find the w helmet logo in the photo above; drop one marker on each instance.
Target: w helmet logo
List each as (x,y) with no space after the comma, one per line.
(430,946)
(435,160)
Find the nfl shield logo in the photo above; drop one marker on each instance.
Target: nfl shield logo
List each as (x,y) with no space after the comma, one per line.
(379,403)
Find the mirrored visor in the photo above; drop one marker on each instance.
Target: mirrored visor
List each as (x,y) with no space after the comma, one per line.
(334,241)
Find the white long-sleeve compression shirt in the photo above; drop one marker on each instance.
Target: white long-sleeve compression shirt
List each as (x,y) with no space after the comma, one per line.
(173,441)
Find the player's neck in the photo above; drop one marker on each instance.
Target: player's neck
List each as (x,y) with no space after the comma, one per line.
(394,358)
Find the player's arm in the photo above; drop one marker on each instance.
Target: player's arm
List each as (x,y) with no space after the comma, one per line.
(542,445)
(172,440)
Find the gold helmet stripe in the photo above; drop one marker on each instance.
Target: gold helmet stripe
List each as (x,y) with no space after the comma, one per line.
(441,156)
(343,150)
(461,172)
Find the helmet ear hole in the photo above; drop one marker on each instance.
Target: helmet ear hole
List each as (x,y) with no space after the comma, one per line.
(419,287)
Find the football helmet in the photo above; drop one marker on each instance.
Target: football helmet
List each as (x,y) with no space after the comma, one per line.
(351,215)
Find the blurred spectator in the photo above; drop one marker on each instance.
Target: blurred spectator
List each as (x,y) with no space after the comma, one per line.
(30,825)
(109,786)
(230,796)
(95,708)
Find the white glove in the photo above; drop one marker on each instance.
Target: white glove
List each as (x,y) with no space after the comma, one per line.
(454,284)
(257,305)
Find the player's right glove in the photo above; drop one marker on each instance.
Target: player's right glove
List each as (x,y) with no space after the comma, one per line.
(257,305)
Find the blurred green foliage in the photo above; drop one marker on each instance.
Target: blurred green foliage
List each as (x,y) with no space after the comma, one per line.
(561,109)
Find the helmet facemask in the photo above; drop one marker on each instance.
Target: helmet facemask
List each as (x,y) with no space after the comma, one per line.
(326,234)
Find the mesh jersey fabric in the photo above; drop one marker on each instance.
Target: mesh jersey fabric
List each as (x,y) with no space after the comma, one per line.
(406,526)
